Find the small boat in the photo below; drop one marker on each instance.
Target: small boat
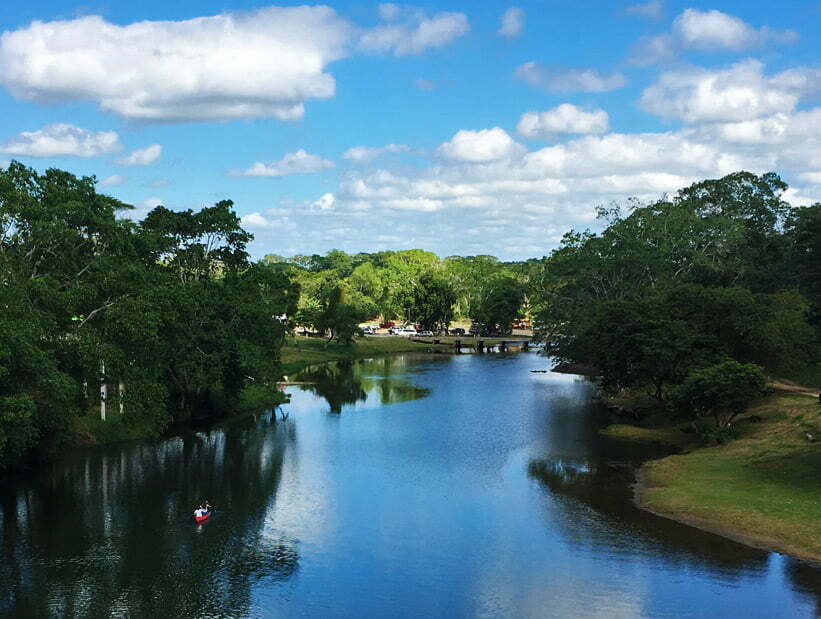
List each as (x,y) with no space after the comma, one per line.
(204,517)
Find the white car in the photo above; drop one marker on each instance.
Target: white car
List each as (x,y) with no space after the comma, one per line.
(403,331)
(424,333)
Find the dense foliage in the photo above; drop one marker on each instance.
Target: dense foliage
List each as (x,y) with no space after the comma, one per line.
(685,296)
(411,286)
(167,313)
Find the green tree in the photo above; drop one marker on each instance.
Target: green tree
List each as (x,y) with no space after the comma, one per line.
(338,318)
(722,391)
(804,233)
(433,302)
(500,304)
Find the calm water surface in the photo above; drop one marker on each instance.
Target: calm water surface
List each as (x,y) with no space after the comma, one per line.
(400,487)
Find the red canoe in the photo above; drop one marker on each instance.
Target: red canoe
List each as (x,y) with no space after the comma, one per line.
(203,518)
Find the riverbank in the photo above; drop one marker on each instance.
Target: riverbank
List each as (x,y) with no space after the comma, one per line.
(761,489)
(297,353)
(300,352)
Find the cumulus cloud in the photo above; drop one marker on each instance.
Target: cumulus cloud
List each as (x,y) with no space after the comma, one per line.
(518,206)
(141,156)
(565,118)
(299,162)
(648,10)
(707,31)
(536,195)
(513,22)
(366,154)
(740,93)
(264,63)
(325,202)
(561,79)
(480,146)
(412,32)
(115,180)
(62,139)
(714,30)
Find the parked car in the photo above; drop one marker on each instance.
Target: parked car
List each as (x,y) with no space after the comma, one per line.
(368,330)
(424,333)
(457,331)
(476,328)
(390,324)
(406,330)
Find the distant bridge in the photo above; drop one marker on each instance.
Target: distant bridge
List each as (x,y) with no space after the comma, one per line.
(479,344)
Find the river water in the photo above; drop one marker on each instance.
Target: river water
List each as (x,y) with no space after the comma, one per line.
(446,486)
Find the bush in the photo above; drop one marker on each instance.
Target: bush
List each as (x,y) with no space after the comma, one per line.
(722,391)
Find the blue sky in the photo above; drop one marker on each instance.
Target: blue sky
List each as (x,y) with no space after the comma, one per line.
(489,127)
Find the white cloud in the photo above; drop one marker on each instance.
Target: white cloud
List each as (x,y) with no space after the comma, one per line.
(366,154)
(62,139)
(325,202)
(739,93)
(298,162)
(264,63)
(565,118)
(115,180)
(254,220)
(707,31)
(648,10)
(142,209)
(559,79)
(141,156)
(535,196)
(152,202)
(513,22)
(480,146)
(415,34)
(714,30)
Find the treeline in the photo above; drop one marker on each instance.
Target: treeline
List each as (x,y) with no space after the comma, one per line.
(690,299)
(339,291)
(167,315)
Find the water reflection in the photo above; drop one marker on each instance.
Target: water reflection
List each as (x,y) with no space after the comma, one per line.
(605,486)
(348,382)
(493,495)
(109,532)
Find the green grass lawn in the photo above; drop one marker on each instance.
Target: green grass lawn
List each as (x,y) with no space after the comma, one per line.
(299,352)
(763,487)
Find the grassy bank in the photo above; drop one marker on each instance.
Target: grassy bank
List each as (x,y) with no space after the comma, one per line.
(762,489)
(299,352)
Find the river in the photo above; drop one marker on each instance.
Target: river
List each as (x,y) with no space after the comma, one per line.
(444,486)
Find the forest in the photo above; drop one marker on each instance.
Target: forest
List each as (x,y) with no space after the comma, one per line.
(694,299)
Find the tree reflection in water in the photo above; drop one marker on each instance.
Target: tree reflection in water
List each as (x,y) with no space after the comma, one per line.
(601,514)
(348,382)
(103,535)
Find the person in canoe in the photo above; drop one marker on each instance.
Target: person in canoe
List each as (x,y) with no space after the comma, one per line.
(202,512)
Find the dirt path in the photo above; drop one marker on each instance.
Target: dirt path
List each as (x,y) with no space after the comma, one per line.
(790,387)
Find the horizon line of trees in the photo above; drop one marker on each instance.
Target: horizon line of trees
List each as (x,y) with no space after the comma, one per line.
(338,291)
